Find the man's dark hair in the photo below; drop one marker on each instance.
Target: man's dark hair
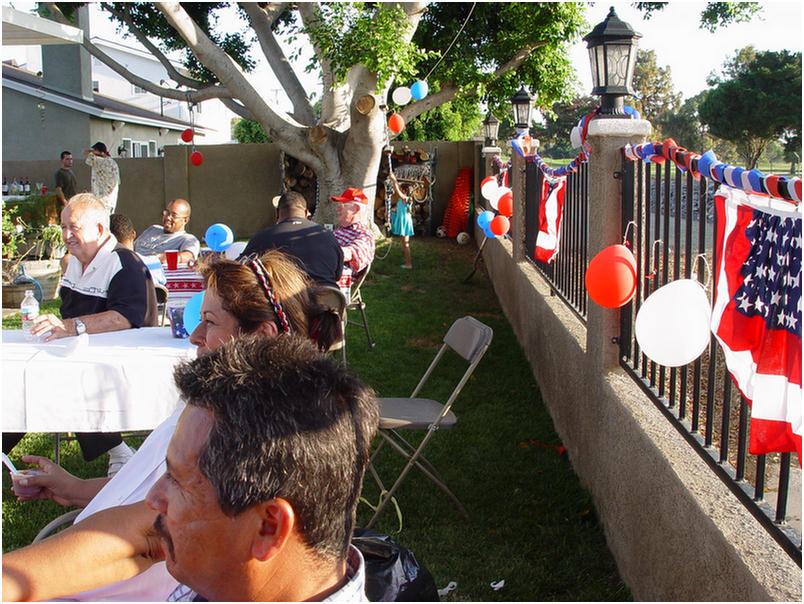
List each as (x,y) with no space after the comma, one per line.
(63,153)
(288,422)
(100,148)
(292,200)
(121,227)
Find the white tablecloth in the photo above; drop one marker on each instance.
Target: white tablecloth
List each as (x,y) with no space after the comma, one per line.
(106,382)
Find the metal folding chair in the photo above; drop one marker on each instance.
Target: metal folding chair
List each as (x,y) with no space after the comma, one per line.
(332,297)
(470,339)
(356,303)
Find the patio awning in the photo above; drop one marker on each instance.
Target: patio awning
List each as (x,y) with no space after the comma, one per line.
(20,28)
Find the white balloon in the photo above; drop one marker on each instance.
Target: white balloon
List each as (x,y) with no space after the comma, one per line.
(489,189)
(401,95)
(495,197)
(575,137)
(672,326)
(234,250)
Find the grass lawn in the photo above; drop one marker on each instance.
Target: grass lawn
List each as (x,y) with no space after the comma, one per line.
(531,523)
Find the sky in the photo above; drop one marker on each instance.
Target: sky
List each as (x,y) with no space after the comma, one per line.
(673,34)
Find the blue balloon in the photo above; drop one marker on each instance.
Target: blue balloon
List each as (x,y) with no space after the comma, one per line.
(488,233)
(192,312)
(484,219)
(219,237)
(419,90)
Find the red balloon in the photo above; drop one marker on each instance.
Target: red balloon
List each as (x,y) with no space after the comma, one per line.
(499,225)
(187,135)
(396,123)
(611,277)
(505,205)
(196,158)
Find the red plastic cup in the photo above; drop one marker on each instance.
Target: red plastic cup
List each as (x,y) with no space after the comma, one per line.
(172,259)
(44,190)
(24,491)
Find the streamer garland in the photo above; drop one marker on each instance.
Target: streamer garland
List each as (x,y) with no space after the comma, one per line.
(750,181)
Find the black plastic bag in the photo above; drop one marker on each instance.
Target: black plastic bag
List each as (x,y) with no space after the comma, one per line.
(393,574)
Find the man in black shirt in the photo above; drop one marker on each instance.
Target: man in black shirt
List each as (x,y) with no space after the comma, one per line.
(313,247)
(65,179)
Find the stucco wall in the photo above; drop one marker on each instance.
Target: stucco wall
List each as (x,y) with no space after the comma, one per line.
(234,184)
(30,133)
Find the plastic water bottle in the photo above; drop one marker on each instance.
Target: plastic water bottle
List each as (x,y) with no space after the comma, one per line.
(29,310)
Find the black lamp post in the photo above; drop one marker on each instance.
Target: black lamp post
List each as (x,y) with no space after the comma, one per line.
(522,103)
(612,53)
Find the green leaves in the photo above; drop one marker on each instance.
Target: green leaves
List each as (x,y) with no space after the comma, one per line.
(368,34)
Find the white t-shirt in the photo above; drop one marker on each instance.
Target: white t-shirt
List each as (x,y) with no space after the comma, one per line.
(130,485)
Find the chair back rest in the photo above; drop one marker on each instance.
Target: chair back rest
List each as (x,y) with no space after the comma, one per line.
(469,338)
(332,297)
(360,276)
(161,293)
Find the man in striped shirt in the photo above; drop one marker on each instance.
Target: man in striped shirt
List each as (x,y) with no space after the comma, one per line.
(354,236)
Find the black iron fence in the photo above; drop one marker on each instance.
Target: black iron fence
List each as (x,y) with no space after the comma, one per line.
(673,229)
(566,273)
(670,221)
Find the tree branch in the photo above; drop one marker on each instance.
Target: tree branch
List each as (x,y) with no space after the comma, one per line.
(194,96)
(449,91)
(261,20)
(282,129)
(172,72)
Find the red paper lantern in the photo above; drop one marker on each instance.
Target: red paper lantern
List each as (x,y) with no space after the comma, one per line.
(396,123)
(187,135)
(611,277)
(499,225)
(196,158)
(505,205)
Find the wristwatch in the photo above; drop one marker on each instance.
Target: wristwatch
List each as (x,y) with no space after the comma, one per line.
(79,327)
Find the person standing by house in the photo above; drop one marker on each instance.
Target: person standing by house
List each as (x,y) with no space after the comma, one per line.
(105,175)
(401,220)
(65,179)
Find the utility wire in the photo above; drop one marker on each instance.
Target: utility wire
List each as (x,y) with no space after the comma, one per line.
(455,39)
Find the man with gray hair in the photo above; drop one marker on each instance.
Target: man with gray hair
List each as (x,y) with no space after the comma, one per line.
(106,287)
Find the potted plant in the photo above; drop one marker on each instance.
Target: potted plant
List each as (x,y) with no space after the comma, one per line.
(31,245)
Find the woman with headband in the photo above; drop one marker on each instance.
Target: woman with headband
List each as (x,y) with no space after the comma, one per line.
(268,295)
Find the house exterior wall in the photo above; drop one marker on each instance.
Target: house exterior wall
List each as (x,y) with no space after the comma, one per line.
(34,133)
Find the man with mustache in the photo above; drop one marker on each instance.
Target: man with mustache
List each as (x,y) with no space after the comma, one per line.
(258,502)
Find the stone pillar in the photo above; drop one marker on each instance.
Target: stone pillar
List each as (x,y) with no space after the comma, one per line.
(516,181)
(606,137)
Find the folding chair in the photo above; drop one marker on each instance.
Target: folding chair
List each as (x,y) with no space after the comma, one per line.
(356,303)
(332,297)
(56,524)
(469,338)
(161,301)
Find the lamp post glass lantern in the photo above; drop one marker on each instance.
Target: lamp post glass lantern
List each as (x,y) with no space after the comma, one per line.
(612,47)
(522,103)
(491,126)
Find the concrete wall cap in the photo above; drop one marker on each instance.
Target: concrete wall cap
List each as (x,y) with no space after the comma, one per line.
(618,127)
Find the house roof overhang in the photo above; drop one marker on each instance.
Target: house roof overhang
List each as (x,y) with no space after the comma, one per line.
(20,28)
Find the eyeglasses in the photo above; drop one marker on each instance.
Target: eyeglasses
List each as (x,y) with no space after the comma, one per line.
(173,215)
